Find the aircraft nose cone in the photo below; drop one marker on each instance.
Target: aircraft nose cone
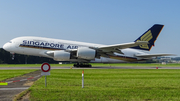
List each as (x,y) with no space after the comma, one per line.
(6,46)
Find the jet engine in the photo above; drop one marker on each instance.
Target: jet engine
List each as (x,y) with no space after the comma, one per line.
(61,56)
(86,53)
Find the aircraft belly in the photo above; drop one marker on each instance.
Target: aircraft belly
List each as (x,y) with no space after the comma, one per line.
(33,52)
(106,60)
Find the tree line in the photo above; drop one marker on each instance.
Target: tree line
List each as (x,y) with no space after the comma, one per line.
(8,58)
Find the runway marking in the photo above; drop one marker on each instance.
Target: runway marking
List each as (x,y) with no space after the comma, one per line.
(23,79)
(20,88)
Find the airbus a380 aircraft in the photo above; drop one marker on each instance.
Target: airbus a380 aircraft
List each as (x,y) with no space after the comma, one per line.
(80,52)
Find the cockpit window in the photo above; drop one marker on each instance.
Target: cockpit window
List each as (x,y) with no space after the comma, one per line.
(10,41)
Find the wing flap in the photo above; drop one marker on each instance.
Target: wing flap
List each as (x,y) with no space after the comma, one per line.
(125,45)
(117,47)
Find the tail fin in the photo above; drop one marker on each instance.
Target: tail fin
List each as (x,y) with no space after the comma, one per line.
(150,35)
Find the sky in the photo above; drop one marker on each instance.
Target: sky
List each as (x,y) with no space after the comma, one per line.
(94,21)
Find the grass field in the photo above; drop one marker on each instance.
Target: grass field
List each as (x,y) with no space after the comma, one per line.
(108,84)
(96,65)
(6,74)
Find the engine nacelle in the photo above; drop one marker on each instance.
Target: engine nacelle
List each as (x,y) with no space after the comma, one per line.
(61,56)
(86,53)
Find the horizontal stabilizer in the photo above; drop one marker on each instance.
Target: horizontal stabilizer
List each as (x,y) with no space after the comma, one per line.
(153,55)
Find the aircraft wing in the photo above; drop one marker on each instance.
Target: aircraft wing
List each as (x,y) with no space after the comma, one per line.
(153,55)
(117,47)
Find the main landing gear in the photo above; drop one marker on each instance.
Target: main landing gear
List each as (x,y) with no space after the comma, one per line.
(82,65)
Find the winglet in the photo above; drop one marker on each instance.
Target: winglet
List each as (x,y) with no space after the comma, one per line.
(150,36)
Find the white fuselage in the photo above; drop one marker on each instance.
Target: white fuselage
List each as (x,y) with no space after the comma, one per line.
(38,46)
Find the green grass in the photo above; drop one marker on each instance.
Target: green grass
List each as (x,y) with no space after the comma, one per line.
(6,74)
(96,65)
(108,84)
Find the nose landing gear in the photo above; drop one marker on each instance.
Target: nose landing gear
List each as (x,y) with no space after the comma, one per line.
(13,56)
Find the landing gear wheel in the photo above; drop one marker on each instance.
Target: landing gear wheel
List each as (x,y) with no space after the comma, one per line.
(82,65)
(76,65)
